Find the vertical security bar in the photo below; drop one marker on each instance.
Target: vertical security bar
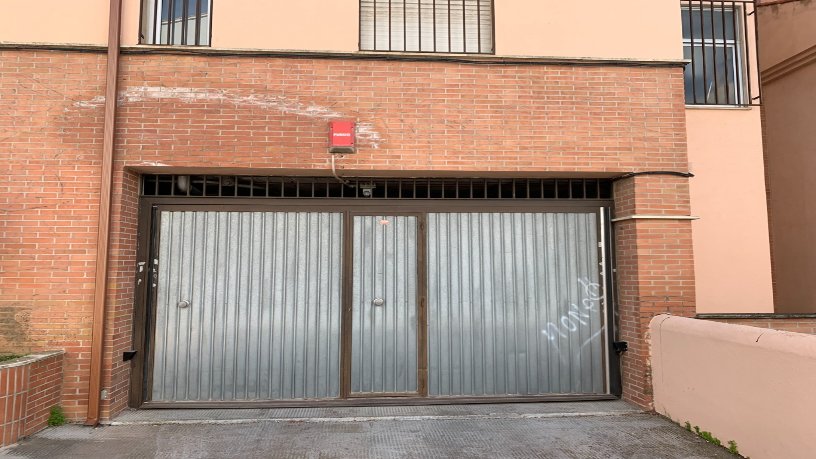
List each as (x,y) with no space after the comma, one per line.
(419,25)
(184,16)
(479,25)
(690,11)
(747,46)
(198,23)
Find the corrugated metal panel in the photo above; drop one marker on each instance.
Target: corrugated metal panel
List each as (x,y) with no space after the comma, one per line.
(264,314)
(514,304)
(384,339)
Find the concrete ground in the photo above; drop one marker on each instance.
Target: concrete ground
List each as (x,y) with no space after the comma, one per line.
(549,430)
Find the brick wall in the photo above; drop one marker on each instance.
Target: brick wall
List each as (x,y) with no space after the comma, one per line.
(655,269)
(29,388)
(49,161)
(269,115)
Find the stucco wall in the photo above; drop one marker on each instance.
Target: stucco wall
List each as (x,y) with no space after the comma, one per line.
(791,142)
(788,58)
(749,385)
(644,29)
(731,245)
(593,28)
(785,30)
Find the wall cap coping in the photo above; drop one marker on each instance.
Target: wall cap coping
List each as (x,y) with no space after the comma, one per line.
(755,338)
(758,315)
(363,55)
(29,359)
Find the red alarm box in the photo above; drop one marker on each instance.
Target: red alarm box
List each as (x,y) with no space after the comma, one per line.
(341,136)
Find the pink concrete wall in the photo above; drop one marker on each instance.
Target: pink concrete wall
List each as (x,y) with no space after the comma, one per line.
(750,385)
(592,28)
(54,21)
(731,245)
(788,60)
(635,29)
(786,29)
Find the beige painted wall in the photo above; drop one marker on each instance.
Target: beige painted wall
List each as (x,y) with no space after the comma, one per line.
(731,244)
(750,385)
(635,29)
(789,97)
(785,30)
(315,25)
(54,21)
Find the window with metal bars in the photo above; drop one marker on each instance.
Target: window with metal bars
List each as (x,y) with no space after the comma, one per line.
(714,40)
(427,26)
(176,22)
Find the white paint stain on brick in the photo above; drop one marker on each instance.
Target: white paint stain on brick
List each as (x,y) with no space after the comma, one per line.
(366,133)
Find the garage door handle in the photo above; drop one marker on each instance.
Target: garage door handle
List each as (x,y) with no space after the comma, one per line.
(378,302)
(183,304)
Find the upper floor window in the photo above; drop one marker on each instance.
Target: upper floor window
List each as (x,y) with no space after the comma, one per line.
(176,22)
(714,41)
(427,26)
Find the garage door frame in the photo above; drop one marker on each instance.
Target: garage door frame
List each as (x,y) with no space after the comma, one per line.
(145,301)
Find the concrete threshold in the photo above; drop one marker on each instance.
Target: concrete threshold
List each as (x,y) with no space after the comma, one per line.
(518,411)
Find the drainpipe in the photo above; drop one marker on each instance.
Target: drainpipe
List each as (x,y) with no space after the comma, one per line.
(103,230)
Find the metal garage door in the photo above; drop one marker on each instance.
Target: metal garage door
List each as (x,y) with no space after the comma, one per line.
(248,306)
(384,306)
(514,304)
(419,299)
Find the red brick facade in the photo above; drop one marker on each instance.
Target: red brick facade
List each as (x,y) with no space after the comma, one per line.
(269,115)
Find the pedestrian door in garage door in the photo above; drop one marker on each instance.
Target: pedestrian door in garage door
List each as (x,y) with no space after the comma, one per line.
(280,301)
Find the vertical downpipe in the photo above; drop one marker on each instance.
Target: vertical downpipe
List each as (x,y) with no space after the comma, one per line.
(103,234)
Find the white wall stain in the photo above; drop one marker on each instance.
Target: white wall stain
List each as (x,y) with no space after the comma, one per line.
(366,133)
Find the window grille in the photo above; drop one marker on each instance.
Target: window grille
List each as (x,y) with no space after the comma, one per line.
(221,186)
(715,41)
(427,26)
(176,22)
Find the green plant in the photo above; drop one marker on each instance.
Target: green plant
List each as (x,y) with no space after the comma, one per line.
(709,437)
(5,357)
(57,417)
(732,446)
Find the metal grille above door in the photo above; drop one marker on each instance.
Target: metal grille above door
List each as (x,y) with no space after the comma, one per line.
(371,188)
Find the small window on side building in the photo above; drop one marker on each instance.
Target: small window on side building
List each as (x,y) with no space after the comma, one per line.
(176,22)
(427,26)
(714,42)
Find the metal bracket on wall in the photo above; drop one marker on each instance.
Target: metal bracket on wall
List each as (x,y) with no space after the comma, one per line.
(620,347)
